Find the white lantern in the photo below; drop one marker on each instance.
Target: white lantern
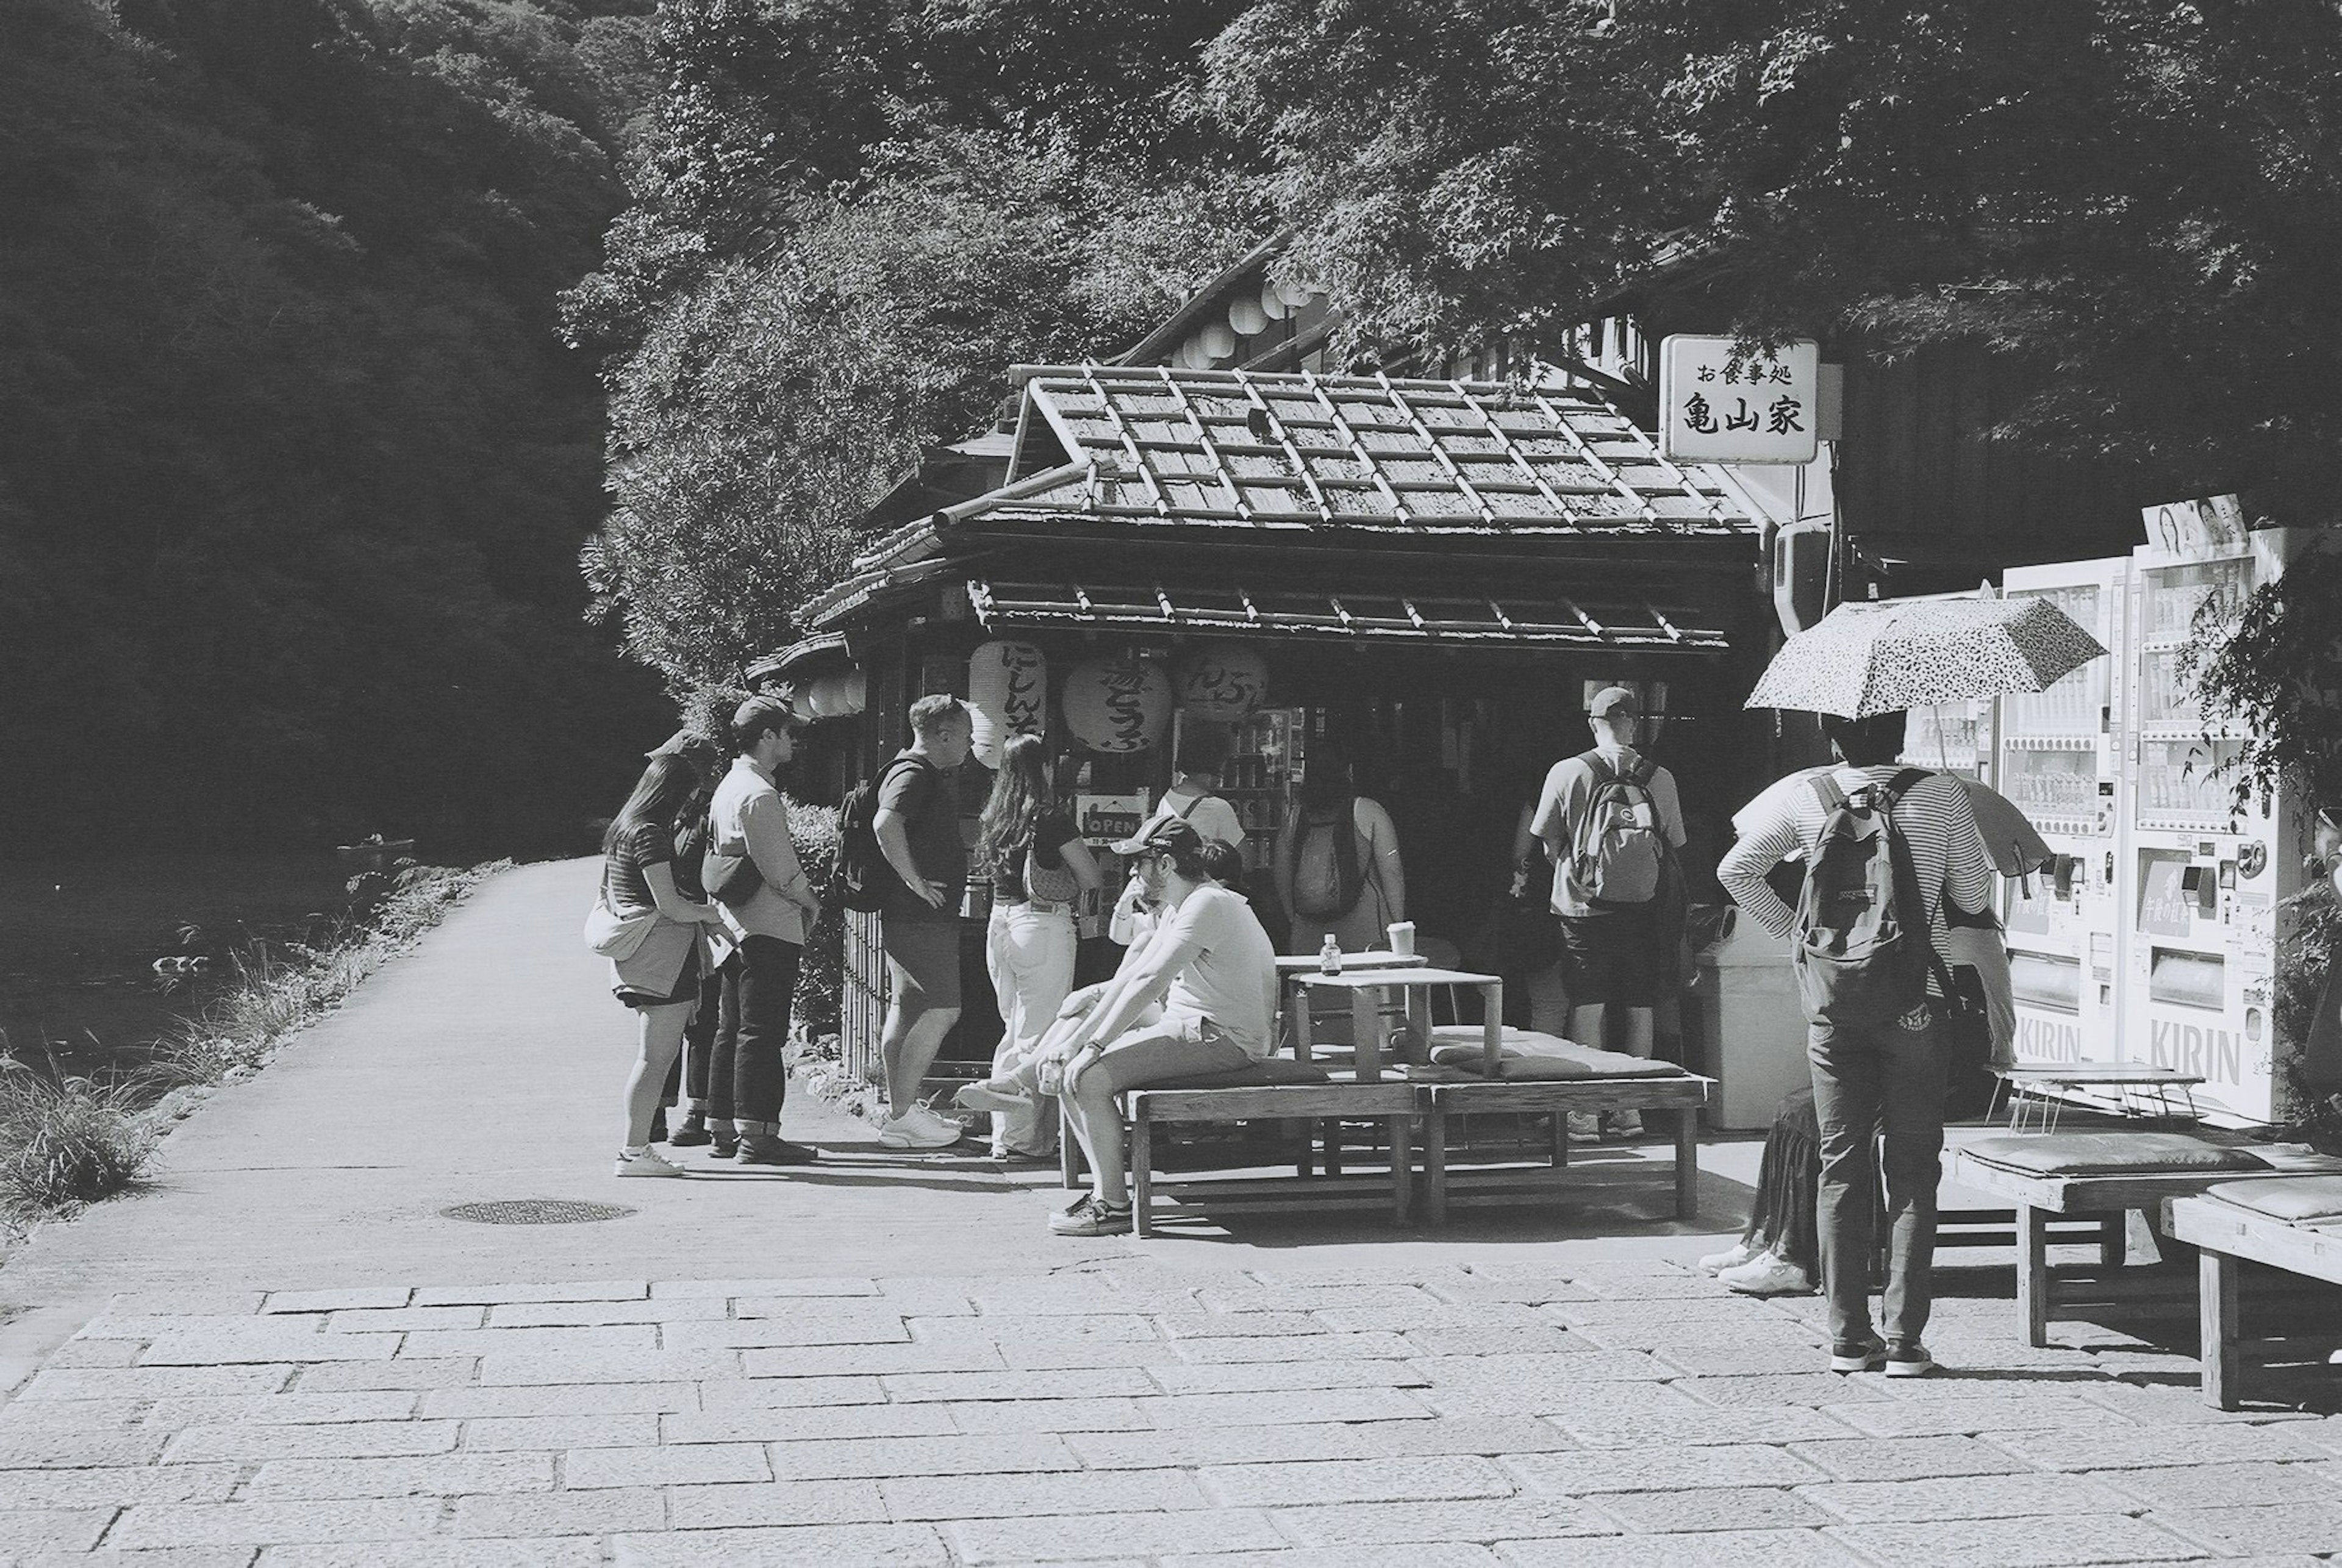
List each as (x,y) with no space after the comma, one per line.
(1117,705)
(1194,355)
(1272,302)
(1219,341)
(1246,317)
(1222,682)
(1007,695)
(1295,294)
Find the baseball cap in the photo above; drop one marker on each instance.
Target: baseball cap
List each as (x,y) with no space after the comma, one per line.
(765,711)
(1613,702)
(684,744)
(1166,835)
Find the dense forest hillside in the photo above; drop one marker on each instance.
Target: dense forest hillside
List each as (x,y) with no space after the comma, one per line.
(294,464)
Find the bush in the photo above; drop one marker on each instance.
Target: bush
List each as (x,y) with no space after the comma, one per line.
(821,972)
(65,1141)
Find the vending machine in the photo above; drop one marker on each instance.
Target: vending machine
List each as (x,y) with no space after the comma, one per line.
(2057,758)
(2205,883)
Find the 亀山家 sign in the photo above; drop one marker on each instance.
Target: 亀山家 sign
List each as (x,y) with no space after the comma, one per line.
(1722,401)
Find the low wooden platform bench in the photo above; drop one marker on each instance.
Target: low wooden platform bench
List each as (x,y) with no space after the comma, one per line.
(2108,1173)
(1543,1075)
(2293,1223)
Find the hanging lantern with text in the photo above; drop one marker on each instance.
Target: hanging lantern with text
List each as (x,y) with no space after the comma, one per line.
(1222,682)
(1117,705)
(840,695)
(1007,695)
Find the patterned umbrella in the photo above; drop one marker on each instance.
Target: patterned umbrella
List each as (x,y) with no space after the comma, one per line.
(1876,657)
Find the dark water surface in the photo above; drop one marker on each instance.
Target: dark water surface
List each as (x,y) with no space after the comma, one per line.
(79,938)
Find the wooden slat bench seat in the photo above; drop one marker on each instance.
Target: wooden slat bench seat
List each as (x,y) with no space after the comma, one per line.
(1395,1104)
(2293,1223)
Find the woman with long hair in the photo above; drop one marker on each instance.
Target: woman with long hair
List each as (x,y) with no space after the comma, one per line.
(1040,872)
(659,977)
(1337,866)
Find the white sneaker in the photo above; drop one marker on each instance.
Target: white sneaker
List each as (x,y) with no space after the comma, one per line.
(1585,1127)
(646,1163)
(919,1128)
(1716,1263)
(1768,1276)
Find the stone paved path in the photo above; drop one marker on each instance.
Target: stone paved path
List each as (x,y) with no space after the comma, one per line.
(1123,1411)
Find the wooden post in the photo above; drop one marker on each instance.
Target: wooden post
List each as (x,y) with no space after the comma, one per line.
(1366,1032)
(2217,1305)
(1402,1156)
(1492,1026)
(1142,1167)
(2114,1239)
(1435,1163)
(1687,1163)
(2033,1281)
(1069,1151)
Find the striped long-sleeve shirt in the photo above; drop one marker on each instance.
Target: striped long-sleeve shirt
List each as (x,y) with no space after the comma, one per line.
(1936,819)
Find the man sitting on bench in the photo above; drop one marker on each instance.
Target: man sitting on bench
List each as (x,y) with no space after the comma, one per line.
(1212,968)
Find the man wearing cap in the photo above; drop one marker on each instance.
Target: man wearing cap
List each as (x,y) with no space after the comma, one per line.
(1615,952)
(1213,969)
(747,817)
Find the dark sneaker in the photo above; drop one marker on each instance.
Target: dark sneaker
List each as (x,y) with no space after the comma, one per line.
(1861,1356)
(755,1149)
(725,1149)
(1910,1359)
(692,1134)
(1092,1218)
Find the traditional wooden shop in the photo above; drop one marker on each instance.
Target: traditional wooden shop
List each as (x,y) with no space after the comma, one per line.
(1430,574)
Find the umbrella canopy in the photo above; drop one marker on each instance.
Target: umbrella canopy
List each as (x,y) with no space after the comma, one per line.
(1876,657)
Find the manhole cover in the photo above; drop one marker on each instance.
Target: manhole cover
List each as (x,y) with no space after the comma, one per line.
(535,1212)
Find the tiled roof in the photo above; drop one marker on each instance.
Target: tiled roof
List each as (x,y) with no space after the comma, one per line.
(1154,444)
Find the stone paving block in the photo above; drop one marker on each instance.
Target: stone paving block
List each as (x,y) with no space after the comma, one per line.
(872,1360)
(878,1457)
(562,1399)
(1812,1388)
(512,1433)
(779,1393)
(1099,1382)
(1026,1328)
(1299,1482)
(1443,1555)
(1290,1297)
(606,1343)
(1263,1376)
(398,1320)
(358,1376)
(2167,1406)
(433,1475)
(1077,1295)
(1119,1414)
(1066,1355)
(2264,1528)
(770,1289)
(1776,1360)
(155,1382)
(1377,1345)
(1433,1314)
(1975,1413)
(80,1352)
(2030,1542)
(1472,1519)
(192,1301)
(801,1424)
(1567,1371)
(283,1409)
(341,1440)
(1721,1309)
(266,1339)
(1198,1530)
(1293,1407)
(161,1557)
(782,1502)
(2006,1496)
(1707,1549)
(1662,1469)
(2229,1485)
(23,1450)
(1485,1339)
(1031,1496)
(2116,1447)
(1237,1325)
(928,1297)
(1909,1458)
(349,1298)
(572,1552)
(1686,1421)
(663,1464)
(73,1414)
(829,1545)
(538,1367)
(562,1291)
(1560,1398)
(526,1514)
(1327,1439)
(30,1530)
(116,1487)
(772,1332)
(1711,1508)
(1470,1289)
(1670,1285)
(1656,1333)
(151,1524)
(604,1314)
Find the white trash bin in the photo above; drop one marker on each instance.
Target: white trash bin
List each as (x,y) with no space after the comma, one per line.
(1748,1032)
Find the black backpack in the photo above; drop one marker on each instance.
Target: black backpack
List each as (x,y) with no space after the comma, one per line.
(1335,882)
(863,879)
(1863,948)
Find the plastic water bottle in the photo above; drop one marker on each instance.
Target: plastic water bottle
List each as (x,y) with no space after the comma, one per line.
(1329,957)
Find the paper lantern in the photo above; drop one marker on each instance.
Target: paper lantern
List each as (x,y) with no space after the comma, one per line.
(1194,355)
(1008,692)
(1297,295)
(1222,682)
(1246,316)
(1117,705)
(1272,302)
(1219,340)
(838,696)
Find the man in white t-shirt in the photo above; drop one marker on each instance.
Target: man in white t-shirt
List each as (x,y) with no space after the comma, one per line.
(1213,970)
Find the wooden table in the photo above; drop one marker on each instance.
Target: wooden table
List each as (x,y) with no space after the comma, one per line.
(1370,1035)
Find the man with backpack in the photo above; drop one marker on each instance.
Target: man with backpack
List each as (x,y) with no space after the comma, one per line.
(1611,825)
(915,821)
(1892,855)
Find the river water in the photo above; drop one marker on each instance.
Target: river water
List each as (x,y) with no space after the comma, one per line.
(79,939)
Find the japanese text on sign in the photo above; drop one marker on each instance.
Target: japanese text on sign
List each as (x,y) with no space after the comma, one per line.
(1721,400)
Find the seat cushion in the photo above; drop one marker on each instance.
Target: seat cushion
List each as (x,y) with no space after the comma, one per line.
(1267,1072)
(2111,1155)
(2295,1200)
(1564,1061)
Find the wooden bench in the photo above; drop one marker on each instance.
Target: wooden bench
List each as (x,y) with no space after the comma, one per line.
(1336,1100)
(2107,1174)
(2293,1223)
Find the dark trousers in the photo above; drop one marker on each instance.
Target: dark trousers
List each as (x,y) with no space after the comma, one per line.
(746,1078)
(1879,1078)
(699,1043)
